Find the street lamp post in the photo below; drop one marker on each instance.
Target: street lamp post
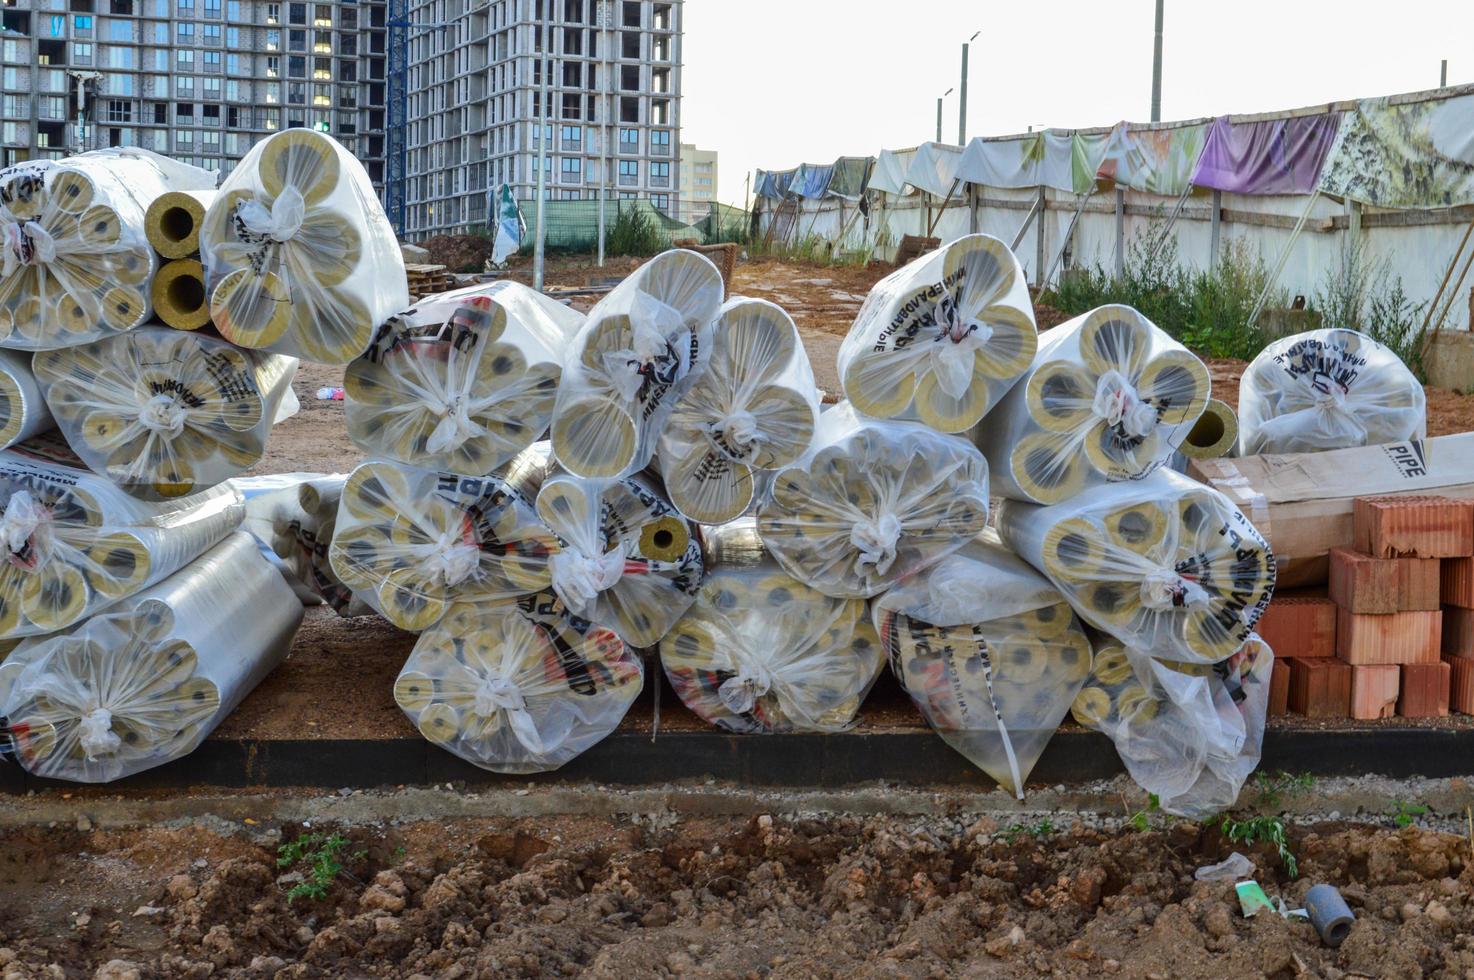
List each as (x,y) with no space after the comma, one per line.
(962,108)
(939,113)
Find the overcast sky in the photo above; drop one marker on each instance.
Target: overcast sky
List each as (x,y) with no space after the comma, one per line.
(773,83)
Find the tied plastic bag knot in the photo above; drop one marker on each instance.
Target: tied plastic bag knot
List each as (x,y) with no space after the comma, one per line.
(951,357)
(454,428)
(279,224)
(740,692)
(500,694)
(876,541)
(24,243)
(96,734)
(23,515)
(455,559)
(1117,401)
(163,415)
(734,436)
(578,579)
(649,356)
(1163,588)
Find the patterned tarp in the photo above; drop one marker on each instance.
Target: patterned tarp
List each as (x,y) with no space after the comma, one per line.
(1154,161)
(773,183)
(851,176)
(1063,161)
(811,180)
(1417,155)
(1275,156)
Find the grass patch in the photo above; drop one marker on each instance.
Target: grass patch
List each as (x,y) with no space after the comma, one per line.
(320,858)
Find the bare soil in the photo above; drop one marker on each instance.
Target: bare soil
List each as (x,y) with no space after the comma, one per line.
(724,897)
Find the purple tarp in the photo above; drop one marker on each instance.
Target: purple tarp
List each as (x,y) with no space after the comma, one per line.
(1277,156)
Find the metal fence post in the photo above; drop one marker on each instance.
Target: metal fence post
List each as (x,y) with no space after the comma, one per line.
(1120,232)
(1039,227)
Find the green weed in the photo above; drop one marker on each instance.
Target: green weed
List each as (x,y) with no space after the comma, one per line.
(1261,830)
(320,858)
(1406,814)
(1141,819)
(1361,294)
(1039,829)
(1275,787)
(634,233)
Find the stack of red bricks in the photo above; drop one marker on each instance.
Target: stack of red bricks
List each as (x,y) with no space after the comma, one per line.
(1395,634)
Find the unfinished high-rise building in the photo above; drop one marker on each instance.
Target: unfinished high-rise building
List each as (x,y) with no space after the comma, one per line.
(476,84)
(198,80)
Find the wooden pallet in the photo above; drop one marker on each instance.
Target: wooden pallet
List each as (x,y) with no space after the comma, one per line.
(427,280)
(915,246)
(724,255)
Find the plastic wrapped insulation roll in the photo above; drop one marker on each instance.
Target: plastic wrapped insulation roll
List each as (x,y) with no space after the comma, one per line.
(626,560)
(754,407)
(1191,734)
(990,653)
(1328,389)
(463,381)
(872,502)
(1166,565)
(410,542)
(941,339)
(178,295)
(76,544)
(1108,398)
(635,356)
(518,687)
(173,221)
(75,263)
(294,517)
(299,256)
(163,413)
(759,651)
(23,411)
(143,683)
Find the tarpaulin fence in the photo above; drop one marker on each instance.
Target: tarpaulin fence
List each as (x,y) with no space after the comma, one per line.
(1398,170)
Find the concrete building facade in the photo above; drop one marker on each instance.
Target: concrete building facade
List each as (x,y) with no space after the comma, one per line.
(698,181)
(198,80)
(475,110)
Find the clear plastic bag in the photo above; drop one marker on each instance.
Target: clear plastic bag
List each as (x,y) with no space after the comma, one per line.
(299,256)
(634,357)
(519,687)
(1169,567)
(410,542)
(872,502)
(1191,734)
(1108,398)
(1328,389)
(940,340)
(23,411)
(990,653)
(293,516)
(76,544)
(145,682)
(75,264)
(754,407)
(759,651)
(164,413)
(625,560)
(464,381)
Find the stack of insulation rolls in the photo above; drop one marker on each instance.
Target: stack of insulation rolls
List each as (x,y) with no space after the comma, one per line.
(127,409)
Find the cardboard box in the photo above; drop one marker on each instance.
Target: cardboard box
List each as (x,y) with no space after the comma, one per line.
(1299,626)
(1413,526)
(1425,690)
(1302,502)
(1458,632)
(1457,585)
(1461,685)
(1390,638)
(1363,584)
(1374,690)
(1320,687)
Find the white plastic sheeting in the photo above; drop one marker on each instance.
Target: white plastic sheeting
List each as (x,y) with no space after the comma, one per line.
(934,168)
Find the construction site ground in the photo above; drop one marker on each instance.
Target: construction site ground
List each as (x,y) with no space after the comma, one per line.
(516,877)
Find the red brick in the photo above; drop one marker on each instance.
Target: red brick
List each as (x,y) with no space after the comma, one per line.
(1363,584)
(1391,638)
(1458,582)
(1374,691)
(1299,626)
(1413,526)
(1458,632)
(1279,688)
(1461,685)
(1320,687)
(1425,690)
